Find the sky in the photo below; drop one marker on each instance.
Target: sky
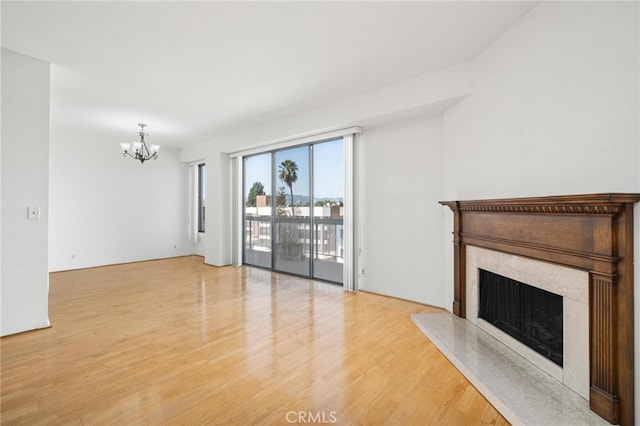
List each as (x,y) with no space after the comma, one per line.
(328,170)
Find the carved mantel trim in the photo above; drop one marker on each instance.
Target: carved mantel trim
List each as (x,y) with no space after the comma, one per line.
(591,232)
(605,203)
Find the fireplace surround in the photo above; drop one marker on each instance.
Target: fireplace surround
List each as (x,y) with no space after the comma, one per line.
(591,233)
(568,283)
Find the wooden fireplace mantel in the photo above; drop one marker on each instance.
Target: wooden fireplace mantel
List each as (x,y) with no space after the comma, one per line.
(592,232)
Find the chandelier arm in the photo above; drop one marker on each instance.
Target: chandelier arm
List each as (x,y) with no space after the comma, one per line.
(144,149)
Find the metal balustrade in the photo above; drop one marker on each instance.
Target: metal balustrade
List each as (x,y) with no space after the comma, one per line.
(327,232)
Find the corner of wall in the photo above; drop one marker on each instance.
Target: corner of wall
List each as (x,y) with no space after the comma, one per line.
(25,279)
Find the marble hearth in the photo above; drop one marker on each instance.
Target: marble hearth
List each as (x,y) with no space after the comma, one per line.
(520,391)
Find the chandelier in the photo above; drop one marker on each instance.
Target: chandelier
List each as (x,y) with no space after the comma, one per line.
(142,152)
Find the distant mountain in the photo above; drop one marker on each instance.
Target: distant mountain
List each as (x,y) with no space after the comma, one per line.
(329,199)
(304,199)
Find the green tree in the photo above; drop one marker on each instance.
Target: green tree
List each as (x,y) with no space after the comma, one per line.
(256,189)
(288,173)
(281,195)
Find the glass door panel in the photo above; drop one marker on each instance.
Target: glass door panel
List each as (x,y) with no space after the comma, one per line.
(292,211)
(257,210)
(328,193)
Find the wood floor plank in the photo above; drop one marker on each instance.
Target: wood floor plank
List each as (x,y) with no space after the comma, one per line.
(175,341)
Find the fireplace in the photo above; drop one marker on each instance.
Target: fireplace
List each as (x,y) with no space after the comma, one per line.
(528,314)
(587,236)
(569,284)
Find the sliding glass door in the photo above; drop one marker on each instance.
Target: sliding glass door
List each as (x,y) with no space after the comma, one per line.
(257,210)
(293,210)
(328,211)
(292,250)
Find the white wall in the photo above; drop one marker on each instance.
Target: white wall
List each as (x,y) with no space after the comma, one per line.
(554,107)
(25,182)
(554,110)
(218,229)
(108,209)
(193,155)
(430,93)
(198,247)
(418,97)
(401,220)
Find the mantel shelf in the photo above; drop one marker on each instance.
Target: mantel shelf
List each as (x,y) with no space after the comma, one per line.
(605,203)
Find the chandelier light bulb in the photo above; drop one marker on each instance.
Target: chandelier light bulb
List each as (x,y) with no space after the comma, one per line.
(125,146)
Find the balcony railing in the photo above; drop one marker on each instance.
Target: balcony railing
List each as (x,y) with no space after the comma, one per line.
(328,236)
(295,231)
(257,233)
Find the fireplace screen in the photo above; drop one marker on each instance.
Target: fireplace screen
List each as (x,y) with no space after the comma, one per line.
(528,314)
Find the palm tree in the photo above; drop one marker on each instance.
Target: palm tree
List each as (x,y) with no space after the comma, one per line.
(288,173)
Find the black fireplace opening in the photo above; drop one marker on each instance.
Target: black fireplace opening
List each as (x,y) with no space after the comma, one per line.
(531,315)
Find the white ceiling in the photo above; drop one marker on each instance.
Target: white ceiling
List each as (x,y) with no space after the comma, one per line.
(196,70)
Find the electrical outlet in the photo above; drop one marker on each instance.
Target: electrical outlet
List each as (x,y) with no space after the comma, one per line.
(362,271)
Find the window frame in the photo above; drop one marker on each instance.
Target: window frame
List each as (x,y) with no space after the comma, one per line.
(201,197)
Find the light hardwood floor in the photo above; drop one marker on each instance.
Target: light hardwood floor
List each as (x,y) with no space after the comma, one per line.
(179,342)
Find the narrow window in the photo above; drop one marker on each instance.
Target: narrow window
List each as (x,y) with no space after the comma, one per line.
(201,197)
